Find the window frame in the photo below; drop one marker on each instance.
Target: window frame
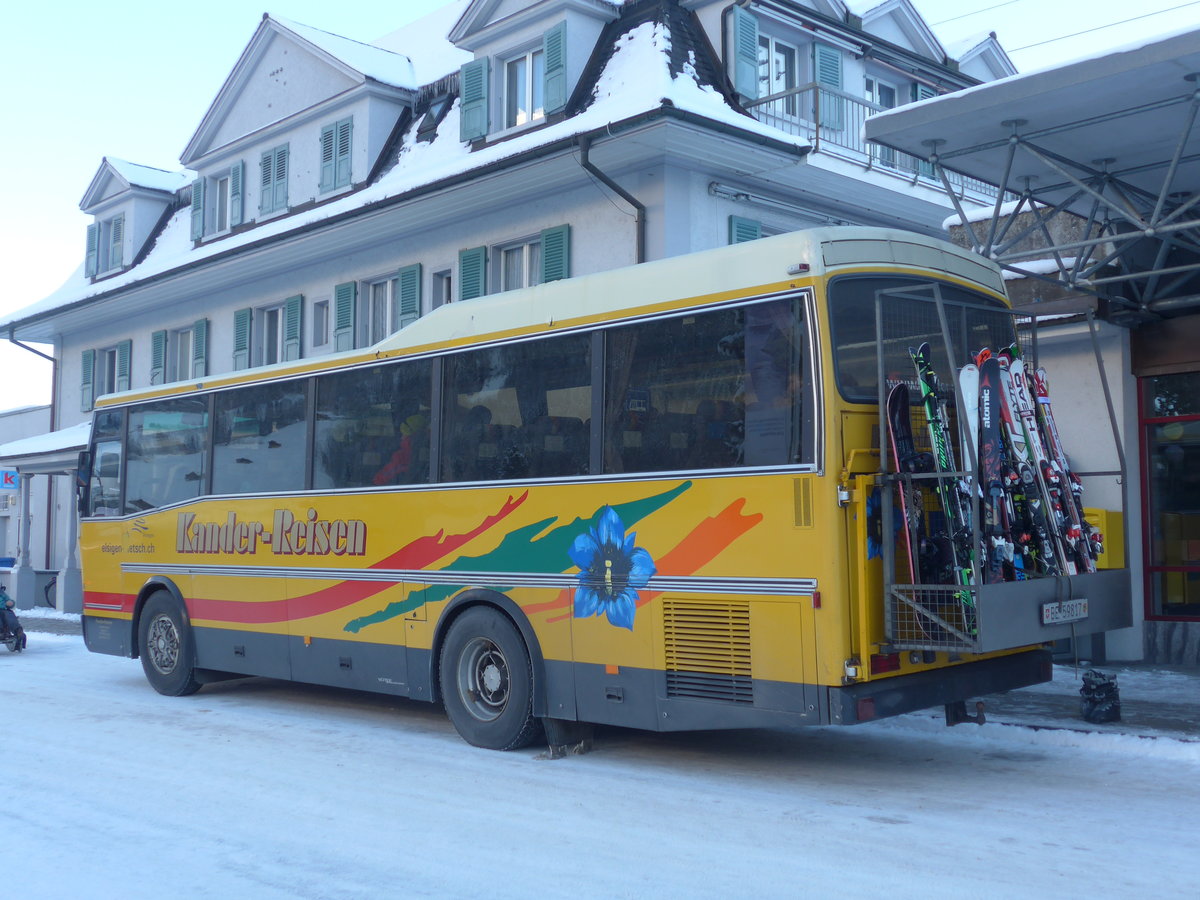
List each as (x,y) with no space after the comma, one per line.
(530,249)
(321,333)
(261,337)
(530,63)
(179,365)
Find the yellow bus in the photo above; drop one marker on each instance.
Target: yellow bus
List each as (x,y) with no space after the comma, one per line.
(645,497)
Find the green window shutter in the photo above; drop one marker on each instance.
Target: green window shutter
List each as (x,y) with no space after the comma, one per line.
(200,348)
(345,296)
(472,273)
(158,357)
(408,295)
(328,164)
(237,174)
(923,92)
(745,53)
(87,368)
(241,339)
(827,64)
(91,262)
(473,92)
(197,209)
(280,179)
(554,49)
(342,166)
(743,230)
(116,242)
(556,253)
(124,358)
(293,312)
(266,174)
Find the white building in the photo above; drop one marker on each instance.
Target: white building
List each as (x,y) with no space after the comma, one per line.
(335,191)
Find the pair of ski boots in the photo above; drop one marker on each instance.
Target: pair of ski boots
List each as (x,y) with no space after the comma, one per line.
(15,641)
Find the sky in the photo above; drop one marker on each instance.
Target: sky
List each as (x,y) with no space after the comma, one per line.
(81,81)
(264,789)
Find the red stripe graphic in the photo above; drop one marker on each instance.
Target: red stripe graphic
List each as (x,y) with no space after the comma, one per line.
(417,555)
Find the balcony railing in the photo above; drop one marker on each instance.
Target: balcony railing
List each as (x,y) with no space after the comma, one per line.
(832,121)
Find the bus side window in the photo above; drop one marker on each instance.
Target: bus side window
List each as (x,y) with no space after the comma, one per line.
(712,390)
(260,439)
(372,426)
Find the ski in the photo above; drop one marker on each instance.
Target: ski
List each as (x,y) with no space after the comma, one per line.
(950,487)
(905,459)
(1043,503)
(1084,540)
(997,514)
(968,421)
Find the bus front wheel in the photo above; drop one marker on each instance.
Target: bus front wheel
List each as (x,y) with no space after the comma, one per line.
(166,647)
(487,681)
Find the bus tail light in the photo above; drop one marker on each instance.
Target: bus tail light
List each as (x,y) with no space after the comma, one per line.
(884,662)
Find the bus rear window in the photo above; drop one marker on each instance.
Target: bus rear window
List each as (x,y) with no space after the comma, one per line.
(910,318)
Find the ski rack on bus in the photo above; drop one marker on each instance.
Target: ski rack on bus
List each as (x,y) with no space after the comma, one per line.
(976,617)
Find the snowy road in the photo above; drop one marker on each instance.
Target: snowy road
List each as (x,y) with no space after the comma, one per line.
(258,789)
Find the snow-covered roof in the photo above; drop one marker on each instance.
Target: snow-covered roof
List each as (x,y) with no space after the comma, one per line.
(424,42)
(148,177)
(637,79)
(56,445)
(384,66)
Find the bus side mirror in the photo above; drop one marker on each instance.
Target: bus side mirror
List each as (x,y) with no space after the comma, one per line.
(83,474)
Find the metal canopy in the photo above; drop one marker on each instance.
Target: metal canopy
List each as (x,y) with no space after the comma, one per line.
(1102,157)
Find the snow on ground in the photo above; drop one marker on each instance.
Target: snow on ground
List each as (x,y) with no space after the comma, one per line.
(261,789)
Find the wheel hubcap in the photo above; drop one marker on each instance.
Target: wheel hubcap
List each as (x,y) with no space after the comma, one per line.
(162,644)
(483,680)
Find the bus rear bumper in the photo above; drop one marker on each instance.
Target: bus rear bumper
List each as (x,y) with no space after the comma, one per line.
(887,697)
(104,635)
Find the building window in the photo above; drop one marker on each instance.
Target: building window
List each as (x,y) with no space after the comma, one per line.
(320,324)
(268,337)
(181,356)
(524,87)
(221,203)
(520,265)
(883,96)
(443,288)
(106,371)
(777,67)
(105,245)
(377,316)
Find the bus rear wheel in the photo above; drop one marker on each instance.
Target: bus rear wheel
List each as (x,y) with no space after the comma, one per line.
(487,681)
(166,647)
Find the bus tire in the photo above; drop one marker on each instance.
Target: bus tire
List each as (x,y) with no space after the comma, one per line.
(167,648)
(486,680)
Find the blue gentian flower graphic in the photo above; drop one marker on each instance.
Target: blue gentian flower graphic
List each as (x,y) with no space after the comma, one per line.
(611,569)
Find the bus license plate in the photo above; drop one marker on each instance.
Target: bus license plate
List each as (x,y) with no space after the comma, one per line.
(1057,611)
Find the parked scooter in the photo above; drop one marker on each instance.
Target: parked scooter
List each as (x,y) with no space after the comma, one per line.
(12,635)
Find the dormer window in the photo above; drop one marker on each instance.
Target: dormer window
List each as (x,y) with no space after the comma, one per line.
(520,89)
(524,88)
(105,245)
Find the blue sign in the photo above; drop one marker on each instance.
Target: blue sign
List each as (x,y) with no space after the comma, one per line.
(10,480)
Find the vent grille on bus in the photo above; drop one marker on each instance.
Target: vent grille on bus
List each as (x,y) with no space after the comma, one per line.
(708,650)
(804,502)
